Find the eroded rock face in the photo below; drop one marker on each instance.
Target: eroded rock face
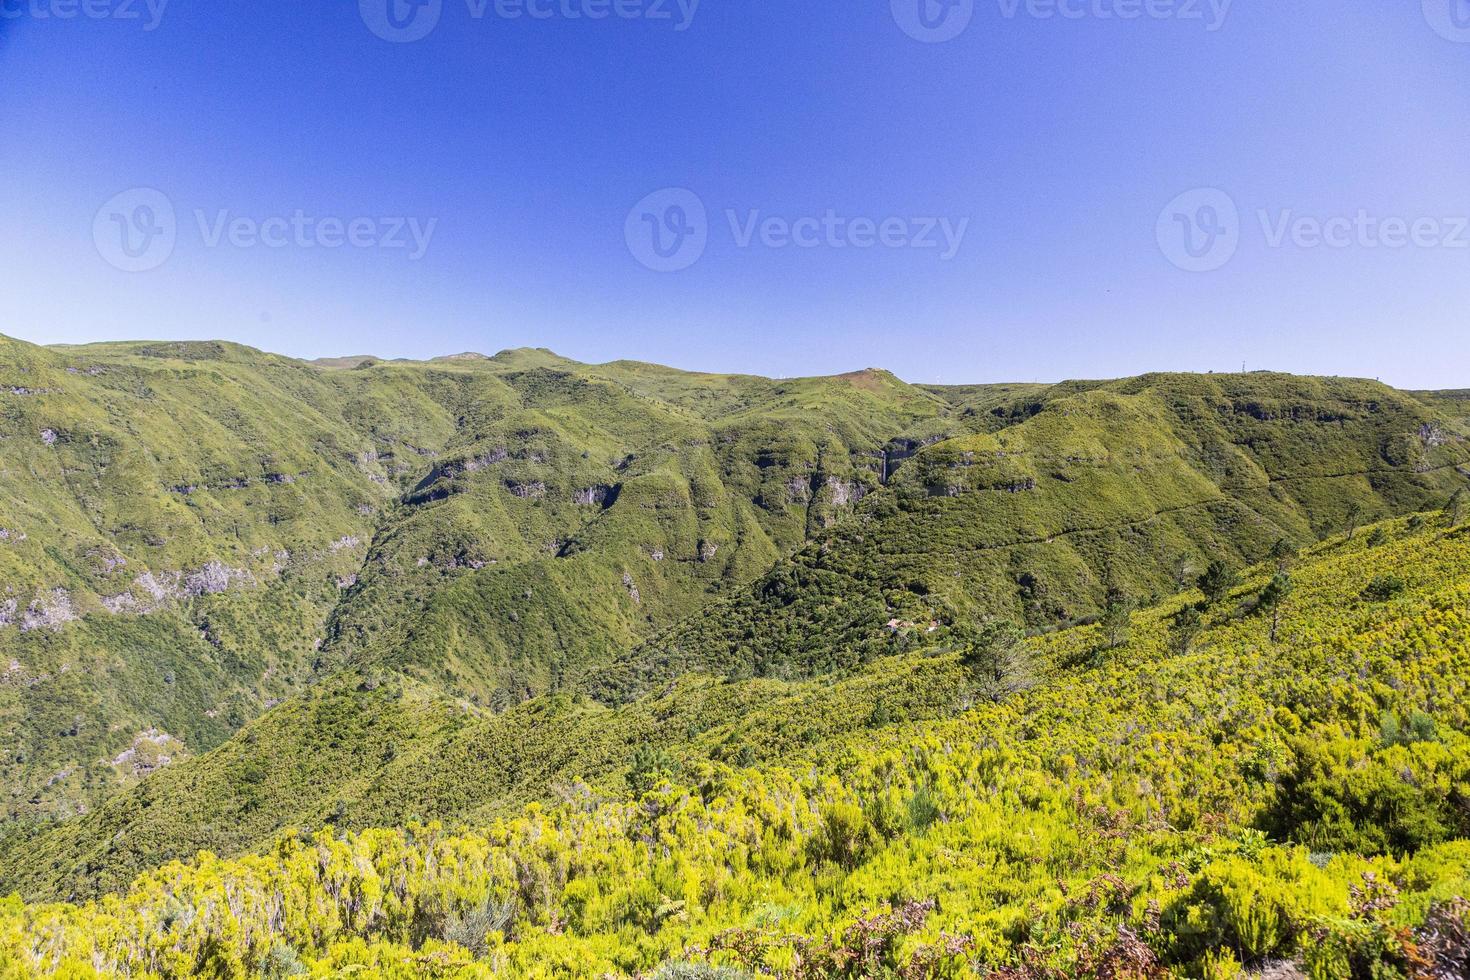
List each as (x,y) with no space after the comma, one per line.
(534,490)
(1432,435)
(454,468)
(598,496)
(48,611)
(497,455)
(845,493)
(151,750)
(120,605)
(153,591)
(213,579)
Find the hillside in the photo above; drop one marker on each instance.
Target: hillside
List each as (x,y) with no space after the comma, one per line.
(1135,485)
(1178,801)
(191,534)
(247,594)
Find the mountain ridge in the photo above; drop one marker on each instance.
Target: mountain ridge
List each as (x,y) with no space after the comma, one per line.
(218,548)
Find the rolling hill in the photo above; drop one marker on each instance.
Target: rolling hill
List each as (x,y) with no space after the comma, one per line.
(1185,802)
(241,594)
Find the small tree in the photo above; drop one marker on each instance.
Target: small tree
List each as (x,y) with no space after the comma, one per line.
(1354,518)
(651,766)
(1273,598)
(1284,553)
(996,657)
(1217,581)
(1117,618)
(1454,511)
(1384,588)
(1185,629)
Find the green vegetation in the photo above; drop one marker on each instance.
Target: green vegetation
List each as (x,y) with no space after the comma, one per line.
(515,666)
(1126,485)
(1184,814)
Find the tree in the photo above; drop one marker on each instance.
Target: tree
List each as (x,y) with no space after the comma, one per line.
(1117,618)
(1384,588)
(1284,553)
(1184,629)
(1273,597)
(1454,511)
(996,656)
(1181,573)
(1354,518)
(1217,581)
(651,766)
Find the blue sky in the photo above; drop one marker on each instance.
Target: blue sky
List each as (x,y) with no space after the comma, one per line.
(487,175)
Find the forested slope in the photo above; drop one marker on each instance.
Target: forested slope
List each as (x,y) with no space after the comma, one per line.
(194,533)
(1133,485)
(1182,798)
(241,593)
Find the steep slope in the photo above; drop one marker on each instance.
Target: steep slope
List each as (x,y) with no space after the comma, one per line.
(1134,485)
(1110,821)
(173,522)
(192,533)
(280,594)
(597,505)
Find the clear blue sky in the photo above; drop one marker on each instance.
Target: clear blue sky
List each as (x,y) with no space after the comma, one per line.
(527,141)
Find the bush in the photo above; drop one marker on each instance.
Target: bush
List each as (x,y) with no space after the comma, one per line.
(698,971)
(1384,587)
(472,927)
(1348,796)
(1255,907)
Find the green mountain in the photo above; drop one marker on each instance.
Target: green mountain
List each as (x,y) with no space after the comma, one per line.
(241,594)
(1279,789)
(192,534)
(1135,484)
